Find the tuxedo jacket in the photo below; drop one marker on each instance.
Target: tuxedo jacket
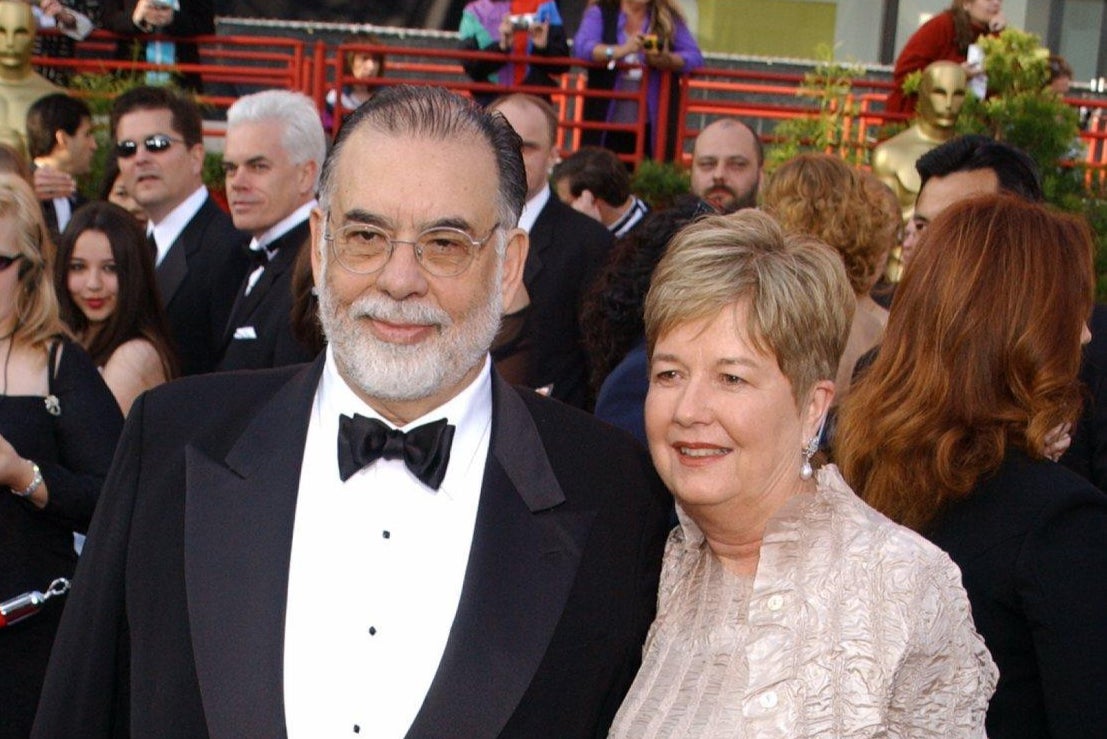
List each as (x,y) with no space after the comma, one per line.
(259,332)
(198,280)
(567,250)
(50,214)
(175,625)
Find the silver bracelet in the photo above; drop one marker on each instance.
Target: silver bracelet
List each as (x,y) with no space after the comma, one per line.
(28,491)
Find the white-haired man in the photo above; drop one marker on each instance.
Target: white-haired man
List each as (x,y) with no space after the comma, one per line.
(272,158)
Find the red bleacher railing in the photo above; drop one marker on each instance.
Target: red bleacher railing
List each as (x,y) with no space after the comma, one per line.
(761,97)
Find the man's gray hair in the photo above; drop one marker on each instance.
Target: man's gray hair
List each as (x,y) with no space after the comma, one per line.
(302,135)
(437,114)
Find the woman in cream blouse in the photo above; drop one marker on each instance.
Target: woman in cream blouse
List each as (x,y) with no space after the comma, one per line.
(787,607)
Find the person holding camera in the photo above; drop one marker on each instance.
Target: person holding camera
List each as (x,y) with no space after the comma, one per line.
(513,28)
(649,33)
(146,23)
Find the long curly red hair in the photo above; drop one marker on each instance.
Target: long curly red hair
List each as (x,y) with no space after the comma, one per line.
(982,350)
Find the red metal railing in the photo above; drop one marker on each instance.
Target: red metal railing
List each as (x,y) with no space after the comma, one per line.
(758,96)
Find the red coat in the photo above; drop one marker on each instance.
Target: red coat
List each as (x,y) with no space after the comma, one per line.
(933,42)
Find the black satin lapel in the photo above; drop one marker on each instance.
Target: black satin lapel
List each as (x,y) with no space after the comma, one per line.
(238,537)
(540,236)
(172,271)
(522,564)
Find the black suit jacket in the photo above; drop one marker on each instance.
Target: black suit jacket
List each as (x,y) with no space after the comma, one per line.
(175,626)
(198,280)
(50,214)
(1031,542)
(266,313)
(567,250)
(1087,455)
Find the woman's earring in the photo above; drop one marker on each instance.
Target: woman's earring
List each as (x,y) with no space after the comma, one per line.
(806,471)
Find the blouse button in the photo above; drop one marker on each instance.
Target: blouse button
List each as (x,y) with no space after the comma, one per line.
(775,603)
(768,699)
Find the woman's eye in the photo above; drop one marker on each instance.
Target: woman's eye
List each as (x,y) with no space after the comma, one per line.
(666,375)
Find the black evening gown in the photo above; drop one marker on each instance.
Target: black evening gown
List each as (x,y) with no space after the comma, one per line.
(73,449)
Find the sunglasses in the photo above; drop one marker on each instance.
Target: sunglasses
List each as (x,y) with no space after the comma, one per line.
(154,144)
(7,260)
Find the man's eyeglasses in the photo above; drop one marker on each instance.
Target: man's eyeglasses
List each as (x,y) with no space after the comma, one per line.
(364,249)
(154,144)
(7,260)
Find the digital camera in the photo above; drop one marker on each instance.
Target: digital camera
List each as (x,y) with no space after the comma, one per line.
(650,42)
(523,21)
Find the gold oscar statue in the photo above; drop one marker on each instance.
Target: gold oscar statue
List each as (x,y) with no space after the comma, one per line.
(941,94)
(20,86)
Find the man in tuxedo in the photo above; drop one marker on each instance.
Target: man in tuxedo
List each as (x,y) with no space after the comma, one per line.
(200,256)
(475,560)
(272,156)
(567,249)
(59,138)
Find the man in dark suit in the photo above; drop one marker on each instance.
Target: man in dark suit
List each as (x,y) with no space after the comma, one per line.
(200,256)
(475,561)
(272,156)
(60,140)
(567,249)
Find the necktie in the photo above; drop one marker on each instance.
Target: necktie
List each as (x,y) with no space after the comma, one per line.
(152,245)
(425,449)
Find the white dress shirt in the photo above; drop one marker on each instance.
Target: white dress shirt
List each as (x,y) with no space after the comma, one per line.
(166,232)
(276,231)
(376,570)
(532,208)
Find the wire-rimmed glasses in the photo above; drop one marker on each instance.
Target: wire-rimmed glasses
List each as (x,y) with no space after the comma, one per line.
(364,249)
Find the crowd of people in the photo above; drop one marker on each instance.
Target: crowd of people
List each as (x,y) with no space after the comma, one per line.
(351,456)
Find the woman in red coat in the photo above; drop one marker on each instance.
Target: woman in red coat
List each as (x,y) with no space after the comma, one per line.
(945,37)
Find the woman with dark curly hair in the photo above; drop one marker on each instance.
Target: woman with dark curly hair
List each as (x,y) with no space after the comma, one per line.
(822,196)
(945,37)
(949,434)
(611,316)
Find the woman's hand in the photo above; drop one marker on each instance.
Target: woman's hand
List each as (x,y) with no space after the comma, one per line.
(57,11)
(1057,441)
(152,14)
(540,34)
(18,473)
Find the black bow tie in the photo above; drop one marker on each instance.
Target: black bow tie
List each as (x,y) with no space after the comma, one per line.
(425,449)
(259,257)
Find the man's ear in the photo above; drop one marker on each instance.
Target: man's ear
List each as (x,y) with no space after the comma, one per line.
(515,256)
(317,223)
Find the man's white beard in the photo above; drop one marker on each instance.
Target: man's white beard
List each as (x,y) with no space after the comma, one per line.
(396,372)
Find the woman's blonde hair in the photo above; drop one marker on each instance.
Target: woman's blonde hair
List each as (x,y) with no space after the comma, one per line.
(800,301)
(820,195)
(36,305)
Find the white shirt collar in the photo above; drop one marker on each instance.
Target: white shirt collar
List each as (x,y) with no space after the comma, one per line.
(167,232)
(283,226)
(533,207)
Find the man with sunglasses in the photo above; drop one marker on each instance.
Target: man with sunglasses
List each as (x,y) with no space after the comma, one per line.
(200,256)
(391,541)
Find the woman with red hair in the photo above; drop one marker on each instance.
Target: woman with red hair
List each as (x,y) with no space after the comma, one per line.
(949,434)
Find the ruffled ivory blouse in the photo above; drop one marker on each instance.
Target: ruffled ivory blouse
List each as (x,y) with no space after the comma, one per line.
(852,626)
